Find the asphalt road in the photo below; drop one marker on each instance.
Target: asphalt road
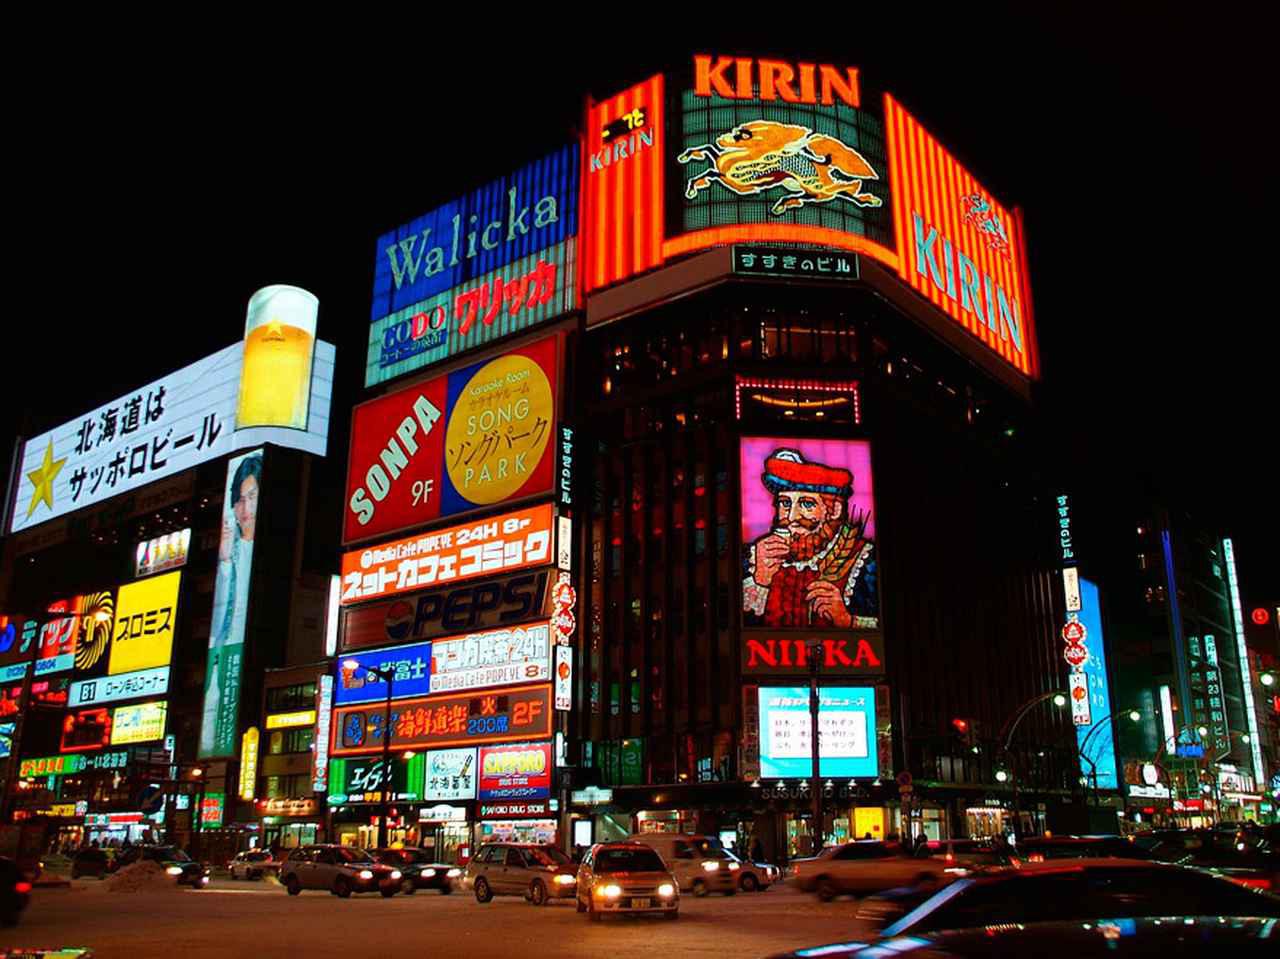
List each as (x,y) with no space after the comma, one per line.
(233,919)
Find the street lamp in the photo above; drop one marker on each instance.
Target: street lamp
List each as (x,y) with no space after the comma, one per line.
(1267,679)
(815,653)
(1005,740)
(386,675)
(1135,716)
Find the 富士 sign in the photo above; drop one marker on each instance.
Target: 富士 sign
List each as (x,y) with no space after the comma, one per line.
(165,427)
(492,716)
(492,263)
(475,437)
(410,668)
(511,541)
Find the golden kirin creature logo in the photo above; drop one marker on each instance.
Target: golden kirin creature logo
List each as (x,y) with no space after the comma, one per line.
(96,616)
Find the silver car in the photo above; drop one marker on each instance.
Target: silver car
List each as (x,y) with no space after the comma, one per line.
(536,871)
(340,870)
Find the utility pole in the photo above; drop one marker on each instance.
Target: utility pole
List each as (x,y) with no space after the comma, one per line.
(815,652)
(386,675)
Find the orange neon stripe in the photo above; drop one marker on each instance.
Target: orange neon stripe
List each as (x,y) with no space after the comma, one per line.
(656,210)
(779,233)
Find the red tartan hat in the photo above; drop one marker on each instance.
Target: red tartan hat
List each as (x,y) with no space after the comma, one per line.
(788,470)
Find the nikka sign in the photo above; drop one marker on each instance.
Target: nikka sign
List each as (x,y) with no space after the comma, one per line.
(786,653)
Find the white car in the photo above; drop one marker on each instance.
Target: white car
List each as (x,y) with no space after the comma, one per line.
(865,867)
(253,864)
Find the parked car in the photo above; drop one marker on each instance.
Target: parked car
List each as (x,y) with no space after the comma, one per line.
(341,870)
(1080,889)
(626,877)
(1107,938)
(754,876)
(15,891)
(92,861)
(253,864)
(185,870)
(864,867)
(420,870)
(539,872)
(700,864)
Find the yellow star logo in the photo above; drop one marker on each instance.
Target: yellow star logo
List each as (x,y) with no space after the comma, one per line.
(42,480)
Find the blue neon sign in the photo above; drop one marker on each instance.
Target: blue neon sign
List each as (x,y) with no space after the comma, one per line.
(846,722)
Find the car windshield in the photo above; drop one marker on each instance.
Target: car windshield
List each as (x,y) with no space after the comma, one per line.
(548,856)
(257,856)
(642,859)
(345,854)
(171,853)
(708,848)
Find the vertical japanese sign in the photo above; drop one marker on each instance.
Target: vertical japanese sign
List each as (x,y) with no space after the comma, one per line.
(230,606)
(1095,734)
(324,711)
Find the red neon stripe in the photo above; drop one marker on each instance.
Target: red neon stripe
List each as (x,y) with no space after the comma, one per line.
(779,232)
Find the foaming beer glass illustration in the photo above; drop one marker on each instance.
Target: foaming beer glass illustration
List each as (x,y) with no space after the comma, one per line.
(279,342)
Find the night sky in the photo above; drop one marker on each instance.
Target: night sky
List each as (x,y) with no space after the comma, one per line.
(155,192)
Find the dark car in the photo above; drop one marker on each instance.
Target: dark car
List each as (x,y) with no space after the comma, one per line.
(92,861)
(1078,889)
(1208,936)
(15,891)
(1246,857)
(1043,848)
(420,870)
(185,870)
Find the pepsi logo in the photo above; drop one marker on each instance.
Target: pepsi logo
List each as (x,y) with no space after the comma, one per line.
(399,621)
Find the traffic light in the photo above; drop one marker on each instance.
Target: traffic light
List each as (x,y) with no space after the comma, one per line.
(966,731)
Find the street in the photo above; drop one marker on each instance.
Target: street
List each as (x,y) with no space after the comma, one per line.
(232,919)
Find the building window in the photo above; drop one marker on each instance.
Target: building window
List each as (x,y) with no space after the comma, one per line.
(288,787)
(285,741)
(285,698)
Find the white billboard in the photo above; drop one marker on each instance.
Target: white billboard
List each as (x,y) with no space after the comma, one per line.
(170,425)
(494,657)
(451,774)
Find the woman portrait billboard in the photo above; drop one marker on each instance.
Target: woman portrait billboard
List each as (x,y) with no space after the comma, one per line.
(230,606)
(808,534)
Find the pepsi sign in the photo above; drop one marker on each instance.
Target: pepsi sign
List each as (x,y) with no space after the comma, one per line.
(446,611)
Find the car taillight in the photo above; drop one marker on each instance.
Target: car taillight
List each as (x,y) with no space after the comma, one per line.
(1035,857)
(1252,882)
(22,887)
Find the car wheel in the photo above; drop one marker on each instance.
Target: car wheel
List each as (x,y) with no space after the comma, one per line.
(408,888)
(538,893)
(827,890)
(483,892)
(699,888)
(292,886)
(749,883)
(342,888)
(388,893)
(672,915)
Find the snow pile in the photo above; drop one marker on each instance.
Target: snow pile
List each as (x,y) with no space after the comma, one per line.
(142,876)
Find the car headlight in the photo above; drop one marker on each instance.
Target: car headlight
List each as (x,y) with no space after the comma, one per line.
(204,880)
(396,874)
(366,873)
(564,880)
(734,867)
(711,866)
(666,890)
(174,870)
(428,873)
(454,873)
(610,891)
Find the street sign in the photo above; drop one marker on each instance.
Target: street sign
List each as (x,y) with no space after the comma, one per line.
(904,779)
(1074,633)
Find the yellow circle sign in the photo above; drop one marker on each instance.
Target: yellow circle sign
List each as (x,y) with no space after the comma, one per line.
(499,430)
